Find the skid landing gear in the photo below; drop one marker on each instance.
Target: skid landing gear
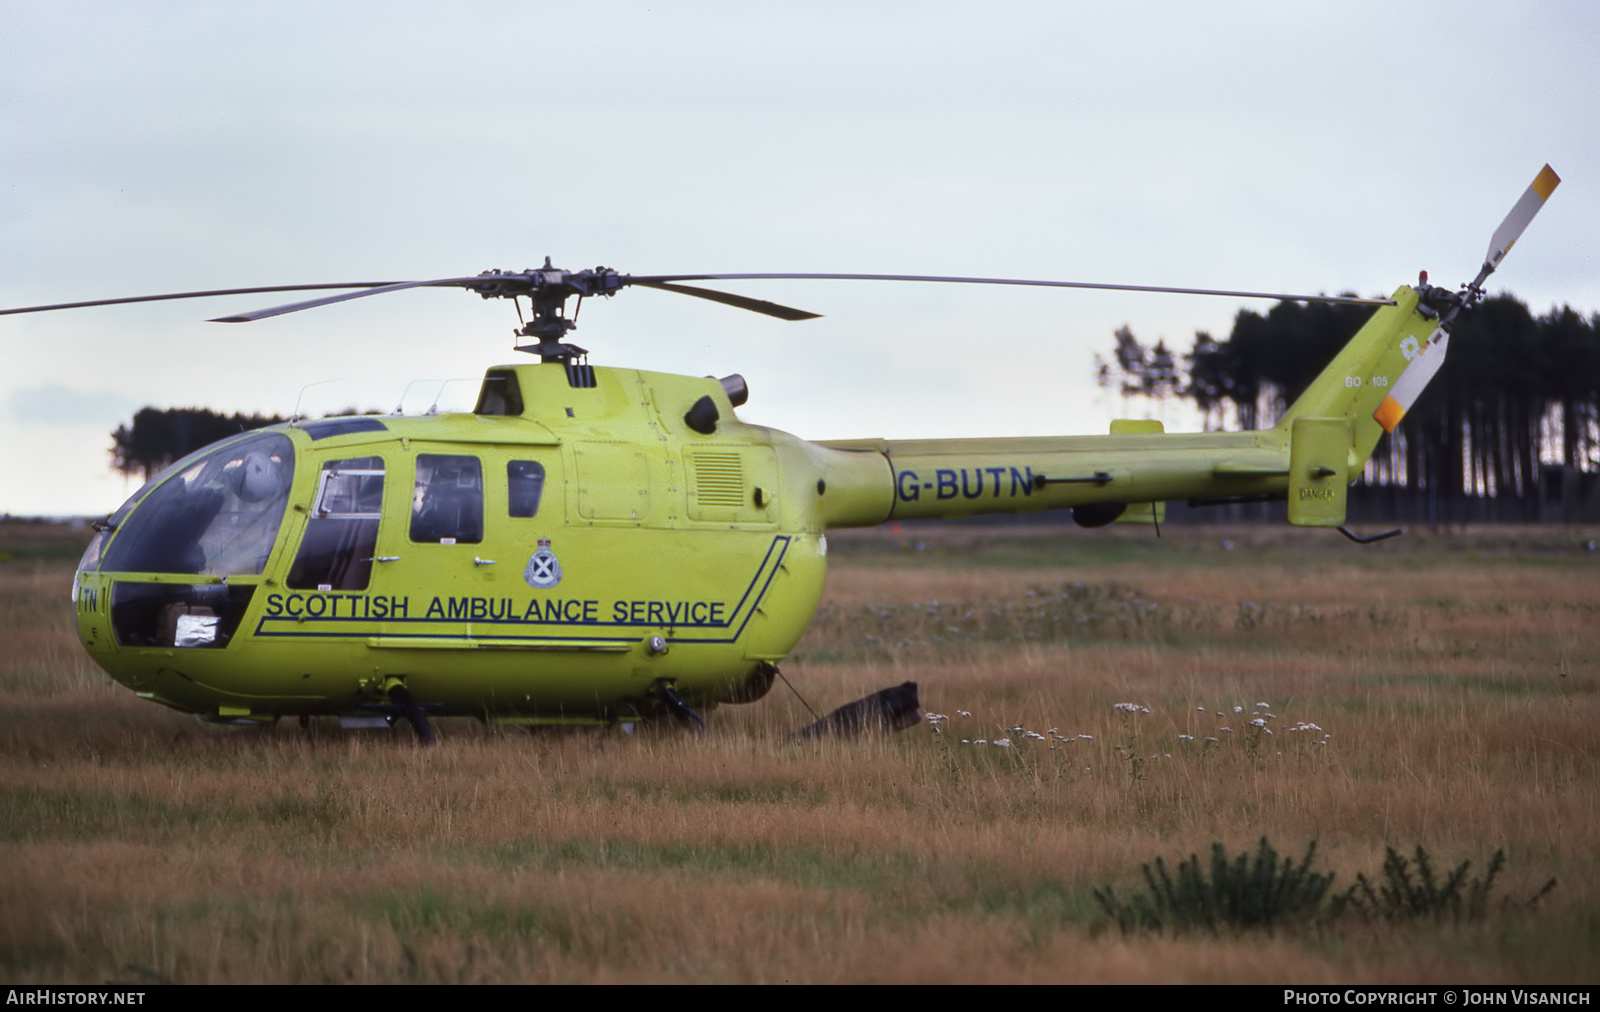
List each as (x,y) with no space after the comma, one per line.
(416,713)
(678,708)
(403,704)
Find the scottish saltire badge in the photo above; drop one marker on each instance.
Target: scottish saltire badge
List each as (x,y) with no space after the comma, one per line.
(544,569)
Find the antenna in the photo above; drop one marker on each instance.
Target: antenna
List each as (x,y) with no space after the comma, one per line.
(433,408)
(296,416)
(400,408)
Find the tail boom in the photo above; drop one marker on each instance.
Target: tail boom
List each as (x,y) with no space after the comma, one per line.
(1310,456)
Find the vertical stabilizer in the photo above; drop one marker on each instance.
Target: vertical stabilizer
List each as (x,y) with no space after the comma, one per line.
(1364,373)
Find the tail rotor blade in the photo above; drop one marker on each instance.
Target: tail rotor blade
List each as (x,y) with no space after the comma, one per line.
(1425,365)
(1526,207)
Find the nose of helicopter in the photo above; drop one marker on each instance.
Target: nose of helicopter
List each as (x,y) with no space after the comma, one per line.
(213,515)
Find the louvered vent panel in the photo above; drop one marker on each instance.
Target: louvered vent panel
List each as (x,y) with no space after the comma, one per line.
(718,479)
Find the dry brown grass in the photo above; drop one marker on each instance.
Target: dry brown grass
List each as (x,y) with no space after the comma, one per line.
(1456,676)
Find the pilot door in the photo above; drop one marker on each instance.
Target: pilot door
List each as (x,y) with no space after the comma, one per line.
(338,550)
(338,584)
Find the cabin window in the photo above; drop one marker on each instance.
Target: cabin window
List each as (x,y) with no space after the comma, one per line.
(447,500)
(341,536)
(525,481)
(215,512)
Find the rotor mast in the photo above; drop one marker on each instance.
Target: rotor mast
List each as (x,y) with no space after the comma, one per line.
(548,289)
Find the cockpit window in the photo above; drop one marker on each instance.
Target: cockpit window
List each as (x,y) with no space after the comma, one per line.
(447,500)
(216,512)
(91,555)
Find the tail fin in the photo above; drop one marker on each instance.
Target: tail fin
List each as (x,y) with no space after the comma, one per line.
(1355,383)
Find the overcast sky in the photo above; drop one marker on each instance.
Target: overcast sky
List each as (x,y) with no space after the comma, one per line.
(156,147)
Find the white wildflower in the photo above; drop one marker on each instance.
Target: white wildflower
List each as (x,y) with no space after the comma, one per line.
(1131,708)
(1002,743)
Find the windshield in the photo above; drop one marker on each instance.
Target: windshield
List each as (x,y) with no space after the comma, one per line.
(216,512)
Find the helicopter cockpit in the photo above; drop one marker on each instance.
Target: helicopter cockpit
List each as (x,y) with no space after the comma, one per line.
(214,514)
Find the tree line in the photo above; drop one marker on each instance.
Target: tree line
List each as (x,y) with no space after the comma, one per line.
(1518,393)
(158,436)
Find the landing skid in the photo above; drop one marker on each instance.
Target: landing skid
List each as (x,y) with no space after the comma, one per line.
(401,704)
(681,710)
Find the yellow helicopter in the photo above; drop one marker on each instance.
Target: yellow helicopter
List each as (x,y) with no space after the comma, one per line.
(599,545)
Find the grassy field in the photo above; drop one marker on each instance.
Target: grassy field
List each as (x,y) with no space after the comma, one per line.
(1451,678)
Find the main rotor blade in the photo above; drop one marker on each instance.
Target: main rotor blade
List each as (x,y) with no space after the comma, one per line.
(196,295)
(654,281)
(1522,212)
(728,299)
(295,307)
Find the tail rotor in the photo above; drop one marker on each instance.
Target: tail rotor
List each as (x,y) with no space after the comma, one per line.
(1427,360)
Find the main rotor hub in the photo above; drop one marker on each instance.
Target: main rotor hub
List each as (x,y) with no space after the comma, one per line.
(548,289)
